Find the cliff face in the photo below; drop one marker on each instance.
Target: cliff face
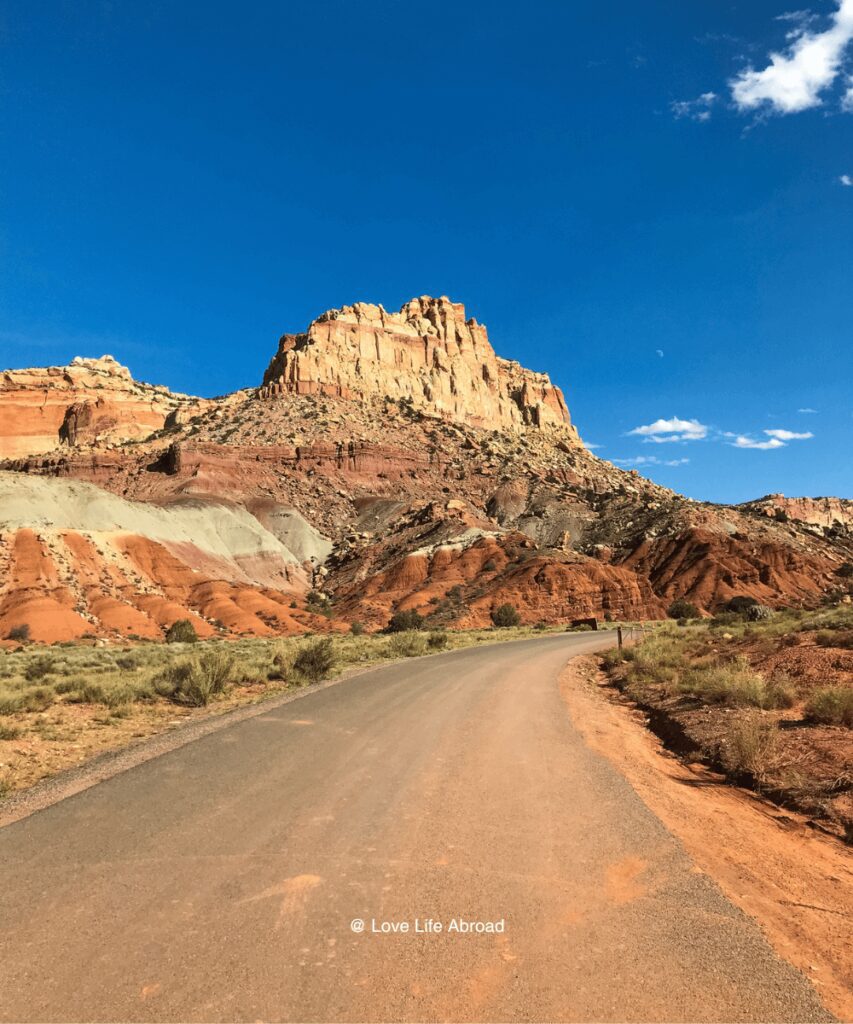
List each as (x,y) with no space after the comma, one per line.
(428,354)
(91,401)
(821,512)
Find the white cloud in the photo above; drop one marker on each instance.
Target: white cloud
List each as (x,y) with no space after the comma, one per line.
(663,431)
(697,110)
(650,460)
(794,80)
(659,352)
(807,410)
(845,179)
(788,435)
(748,442)
(590,446)
(847,98)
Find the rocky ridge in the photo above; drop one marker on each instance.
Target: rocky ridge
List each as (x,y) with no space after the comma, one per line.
(90,401)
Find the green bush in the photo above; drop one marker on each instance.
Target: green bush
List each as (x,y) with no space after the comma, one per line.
(740,604)
(402,622)
(759,613)
(38,668)
(505,615)
(357,628)
(196,681)
(315,661)
(19,633)
(408,645)
(682,609)
(831,705)
(181,631)
(438,640)
(9,732)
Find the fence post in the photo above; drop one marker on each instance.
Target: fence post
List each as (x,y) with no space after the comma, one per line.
(619,636)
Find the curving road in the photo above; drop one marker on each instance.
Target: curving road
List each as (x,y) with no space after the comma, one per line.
(218,881)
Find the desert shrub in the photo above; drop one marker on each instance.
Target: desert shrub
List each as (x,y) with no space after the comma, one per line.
(740,603)
(38,668)
(682,609)
(758,613)
(781,691)
(182,631)
(9,732)
(438,640)
(19,633)
(613,657)
(505,615)
(196,681)
(831,705)
(489,566)
(82,691)
(357,628)
(402,622)
(39,698)
(315,661)
(751,746)
(408,645)
(845,570)
(319,603)
(835,638)
(735,684)
(11,701)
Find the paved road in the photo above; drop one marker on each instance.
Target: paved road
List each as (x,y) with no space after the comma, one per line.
(218,881)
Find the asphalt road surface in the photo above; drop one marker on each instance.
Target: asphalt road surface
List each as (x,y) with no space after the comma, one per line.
(219,881)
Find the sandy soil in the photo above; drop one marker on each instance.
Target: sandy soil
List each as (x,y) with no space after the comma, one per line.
(797,884)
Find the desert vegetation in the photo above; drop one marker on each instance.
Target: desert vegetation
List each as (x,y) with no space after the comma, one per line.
(62,704)
(765,697)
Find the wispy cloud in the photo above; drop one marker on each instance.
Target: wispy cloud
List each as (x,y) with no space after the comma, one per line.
(847,98)
(776,438)
(789,435)
(696,110)
(650,460)
(796,79)
(674,429)
(807,410)
(749,442)
(590,446)
(845,179)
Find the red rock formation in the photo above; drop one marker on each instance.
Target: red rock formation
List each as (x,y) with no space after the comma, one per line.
(427,354)
(823,512)
(711,568)
(90,401)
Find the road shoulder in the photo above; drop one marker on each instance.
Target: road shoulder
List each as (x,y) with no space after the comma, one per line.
(797,884)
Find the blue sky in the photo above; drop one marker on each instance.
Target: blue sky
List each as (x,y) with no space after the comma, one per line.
(634,197)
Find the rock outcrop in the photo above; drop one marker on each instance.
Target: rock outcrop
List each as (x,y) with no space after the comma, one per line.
(827,513)
(428,354)
(91,401)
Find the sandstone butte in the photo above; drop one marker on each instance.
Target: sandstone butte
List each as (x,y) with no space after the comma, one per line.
(386,461)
